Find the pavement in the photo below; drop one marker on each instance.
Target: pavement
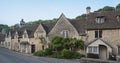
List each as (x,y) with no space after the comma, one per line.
(8,56)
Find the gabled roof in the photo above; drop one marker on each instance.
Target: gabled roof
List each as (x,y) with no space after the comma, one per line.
(101,40)
(48,27)
(86,23)
(30,30)
(79,25)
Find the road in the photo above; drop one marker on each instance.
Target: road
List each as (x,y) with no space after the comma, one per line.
(8,56)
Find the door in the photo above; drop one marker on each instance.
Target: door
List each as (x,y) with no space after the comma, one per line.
(32,48)
(103,52)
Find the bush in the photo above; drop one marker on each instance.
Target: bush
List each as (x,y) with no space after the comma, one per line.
(39,53)
(67,54)
(56,55)
(48,51)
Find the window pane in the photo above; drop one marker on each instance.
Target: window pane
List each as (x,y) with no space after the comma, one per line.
(96,34)
(94,49)
(90,49)
(118,49)
(100,34)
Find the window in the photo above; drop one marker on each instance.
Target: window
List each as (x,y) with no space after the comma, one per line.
(118,18)
(43,47)
(89,49)
(92,49)
(100,20)
(98,34)
(118,49)
(65,33)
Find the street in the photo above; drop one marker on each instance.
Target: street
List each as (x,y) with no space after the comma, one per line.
(8,56)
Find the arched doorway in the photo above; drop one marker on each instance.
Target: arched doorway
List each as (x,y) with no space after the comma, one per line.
(102,52)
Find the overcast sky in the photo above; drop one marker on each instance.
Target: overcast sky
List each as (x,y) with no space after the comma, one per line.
(12,11)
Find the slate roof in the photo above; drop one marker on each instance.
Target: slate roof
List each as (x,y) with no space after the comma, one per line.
(111,21)
(86,23)
(30,30)
(48,27)
(79,25)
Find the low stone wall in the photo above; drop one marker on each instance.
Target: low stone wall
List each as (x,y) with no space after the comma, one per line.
(89,60)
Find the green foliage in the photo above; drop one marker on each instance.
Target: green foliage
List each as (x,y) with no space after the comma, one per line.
(39,53)
(40,21)
(67,54)
(106,8)
(48,51)
(6,27)
(57,43)
(118,6)
(80,17)
(56,55)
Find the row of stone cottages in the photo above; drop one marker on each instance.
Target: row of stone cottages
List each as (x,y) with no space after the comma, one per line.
(99,30)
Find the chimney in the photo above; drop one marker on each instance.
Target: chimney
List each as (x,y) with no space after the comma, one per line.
(88,10)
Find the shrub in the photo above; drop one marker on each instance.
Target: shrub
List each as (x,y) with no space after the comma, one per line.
(67,54)
(48,51)
(39,53)
(56,55)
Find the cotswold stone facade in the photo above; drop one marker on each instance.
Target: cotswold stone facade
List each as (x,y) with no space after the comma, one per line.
(99,30)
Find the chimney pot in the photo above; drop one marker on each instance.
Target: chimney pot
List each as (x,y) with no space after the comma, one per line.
(88,10)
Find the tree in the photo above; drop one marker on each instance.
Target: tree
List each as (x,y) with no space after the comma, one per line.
(5,27)
(80,17)
(118,7)
(106,8)
(57,44)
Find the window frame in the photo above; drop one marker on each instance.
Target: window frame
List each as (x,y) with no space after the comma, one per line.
(118,50)
(100,20)
(65,33)
(98,33)
(92,49)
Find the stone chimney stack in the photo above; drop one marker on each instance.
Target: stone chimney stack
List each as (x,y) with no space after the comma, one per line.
(88,10)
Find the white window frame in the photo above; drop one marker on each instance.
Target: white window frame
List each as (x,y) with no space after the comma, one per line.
(65,33)
(93,49)
(100,20)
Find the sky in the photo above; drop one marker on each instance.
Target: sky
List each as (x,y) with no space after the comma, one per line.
(12,11)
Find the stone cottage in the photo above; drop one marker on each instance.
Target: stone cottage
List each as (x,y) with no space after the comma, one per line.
(99,30)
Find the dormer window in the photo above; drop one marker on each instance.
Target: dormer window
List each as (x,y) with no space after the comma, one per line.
(118,18)
(100,19)
(65,33)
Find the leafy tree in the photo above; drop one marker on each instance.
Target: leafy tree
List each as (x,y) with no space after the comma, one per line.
(6,27)
(80,17)
(57,44)
(118,7)
(106,8)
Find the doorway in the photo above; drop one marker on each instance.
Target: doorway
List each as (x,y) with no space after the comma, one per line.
(102,52)
(32,48)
